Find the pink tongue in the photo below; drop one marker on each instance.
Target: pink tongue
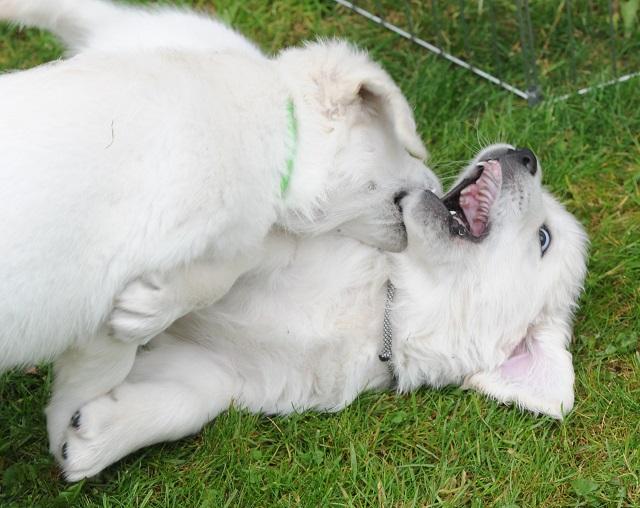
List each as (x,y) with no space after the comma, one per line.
(477,198)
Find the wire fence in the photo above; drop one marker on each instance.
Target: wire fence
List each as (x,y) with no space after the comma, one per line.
(539,49)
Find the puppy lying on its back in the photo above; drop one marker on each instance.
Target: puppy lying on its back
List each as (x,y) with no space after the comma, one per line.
(483,298)
(120,164)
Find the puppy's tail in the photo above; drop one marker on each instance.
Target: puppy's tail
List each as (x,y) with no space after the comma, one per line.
(73,21)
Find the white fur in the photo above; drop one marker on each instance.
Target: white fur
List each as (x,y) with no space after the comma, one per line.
(117,164)
(105,26)
(303,330)
(160,145)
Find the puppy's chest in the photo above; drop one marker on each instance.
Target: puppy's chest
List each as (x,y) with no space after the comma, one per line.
(330,361)
(347,314)
(358,318)
(346,330)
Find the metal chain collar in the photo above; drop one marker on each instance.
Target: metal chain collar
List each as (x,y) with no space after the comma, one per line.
(385,354)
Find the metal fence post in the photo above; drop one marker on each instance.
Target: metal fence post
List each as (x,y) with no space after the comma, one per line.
(534,93)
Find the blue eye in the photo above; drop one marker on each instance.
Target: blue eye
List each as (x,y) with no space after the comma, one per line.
(545,238)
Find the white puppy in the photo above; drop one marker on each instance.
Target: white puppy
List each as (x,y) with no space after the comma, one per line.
(128,161)
(484,297)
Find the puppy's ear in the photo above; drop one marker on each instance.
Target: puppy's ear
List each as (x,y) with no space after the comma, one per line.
(382,93)
(538,376)
(350,80)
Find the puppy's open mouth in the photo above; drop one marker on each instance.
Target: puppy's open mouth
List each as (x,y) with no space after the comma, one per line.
(470,202)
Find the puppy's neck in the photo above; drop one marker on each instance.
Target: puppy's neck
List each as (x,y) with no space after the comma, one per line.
(422,353)
(307,168)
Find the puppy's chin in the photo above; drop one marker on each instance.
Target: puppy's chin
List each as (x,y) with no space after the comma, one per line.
(391,237)
(395,239)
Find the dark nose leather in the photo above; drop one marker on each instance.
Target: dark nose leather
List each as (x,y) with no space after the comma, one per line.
(398,197)
(524,158)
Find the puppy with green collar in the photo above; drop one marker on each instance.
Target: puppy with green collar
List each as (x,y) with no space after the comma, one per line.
(137,157)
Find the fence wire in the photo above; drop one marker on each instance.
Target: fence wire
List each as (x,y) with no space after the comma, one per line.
(533,50)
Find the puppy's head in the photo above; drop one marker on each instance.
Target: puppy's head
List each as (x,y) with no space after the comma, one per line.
(504,264)
(359,151)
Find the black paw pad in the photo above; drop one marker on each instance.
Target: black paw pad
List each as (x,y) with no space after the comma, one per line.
(64,451)
(75,420)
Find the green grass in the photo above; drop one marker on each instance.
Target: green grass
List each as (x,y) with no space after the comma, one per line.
(444,447)
(572,37)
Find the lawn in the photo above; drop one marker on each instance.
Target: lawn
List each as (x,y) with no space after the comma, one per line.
(430,448)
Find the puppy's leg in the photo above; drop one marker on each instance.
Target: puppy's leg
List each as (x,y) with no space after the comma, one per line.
(107,26)
(173,391)
(73,21)
(142,311)
(82,374)
(148,306)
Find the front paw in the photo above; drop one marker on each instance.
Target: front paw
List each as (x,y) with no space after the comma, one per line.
(145,308)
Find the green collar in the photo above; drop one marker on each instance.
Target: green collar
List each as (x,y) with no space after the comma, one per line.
(292,146)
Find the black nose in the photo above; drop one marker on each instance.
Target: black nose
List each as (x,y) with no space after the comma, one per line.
(527,159)
(398,197)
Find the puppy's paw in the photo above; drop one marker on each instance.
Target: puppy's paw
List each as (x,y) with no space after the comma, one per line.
(93,440)
(57,422)
(145,308)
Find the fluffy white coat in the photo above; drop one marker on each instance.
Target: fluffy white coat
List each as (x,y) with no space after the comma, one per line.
(142,158)
(304,329)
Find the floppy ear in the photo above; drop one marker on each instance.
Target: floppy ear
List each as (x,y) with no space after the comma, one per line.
(385,94)
(538,375)
(352,80)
